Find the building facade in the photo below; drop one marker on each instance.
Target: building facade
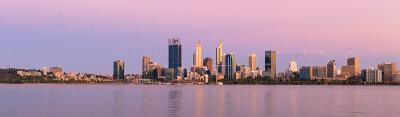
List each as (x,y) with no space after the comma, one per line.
(174,53)
(55,70)
(253,62)
(197,55)
(331,69)
(270,62)
(371,75)
(230,66)
(352,67)
(319,71)
(207,62)
(306,72)
(119,67)
(292,67)
(219,59)
(389,69)
(145,62)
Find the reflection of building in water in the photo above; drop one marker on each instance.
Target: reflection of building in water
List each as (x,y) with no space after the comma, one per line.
(198,106)
(253,102)
(174,103)
(221,103)
(270,103)
(293,102)
(118,103)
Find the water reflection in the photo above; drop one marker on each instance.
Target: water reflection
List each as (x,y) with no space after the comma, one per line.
(198,106)
(174,103)
(270,102)
(118,103)
(221,102)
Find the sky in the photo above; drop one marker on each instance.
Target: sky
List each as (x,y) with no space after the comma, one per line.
(86,36)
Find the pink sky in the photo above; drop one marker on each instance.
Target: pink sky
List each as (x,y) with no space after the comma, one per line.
(300,30)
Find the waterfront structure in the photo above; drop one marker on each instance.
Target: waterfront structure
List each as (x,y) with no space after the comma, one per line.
(352,67)
(145,62)
(306,72)
(389,69)
(207,62)
(292,66)
(174,53)
(197,55)
(331,69)
(219,59)
(119,69)
(230,66)
(253,62)
(270,62)
(371,75)
(44,71)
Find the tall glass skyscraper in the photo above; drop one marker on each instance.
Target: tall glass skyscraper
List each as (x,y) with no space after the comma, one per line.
(119,72)
(230,66)
(175,53)
(219,58)
(270,62)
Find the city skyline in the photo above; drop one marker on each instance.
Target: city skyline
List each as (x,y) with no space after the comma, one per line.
(283,68)
(83,39)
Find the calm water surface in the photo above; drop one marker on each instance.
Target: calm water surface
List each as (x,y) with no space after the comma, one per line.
(198,101)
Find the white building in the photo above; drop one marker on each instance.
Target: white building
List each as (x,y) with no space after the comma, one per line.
(292,67)
(372,75)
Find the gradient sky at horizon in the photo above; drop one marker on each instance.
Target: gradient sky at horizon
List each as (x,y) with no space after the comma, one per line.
(88,35)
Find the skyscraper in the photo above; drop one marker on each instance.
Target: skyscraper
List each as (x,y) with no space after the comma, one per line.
(119,69)
(253,62)
(218,59)
(230,66)
(352,67)
(292,67)
(270,62)
(389,69)
(331,69)
(197,56)
(174,53)
(207,62)
(145,63)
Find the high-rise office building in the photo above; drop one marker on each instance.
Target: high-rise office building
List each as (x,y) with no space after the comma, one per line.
(331,69)
(306,72)
(319,71)
(44,71)
(230,66)
(371,75)
(292,67)
(119,72)
(389,69)
(207,62)
(218,59)
(174,53)
(253,62)
(270,62)
(197,56)
(352,67)
(145,62)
